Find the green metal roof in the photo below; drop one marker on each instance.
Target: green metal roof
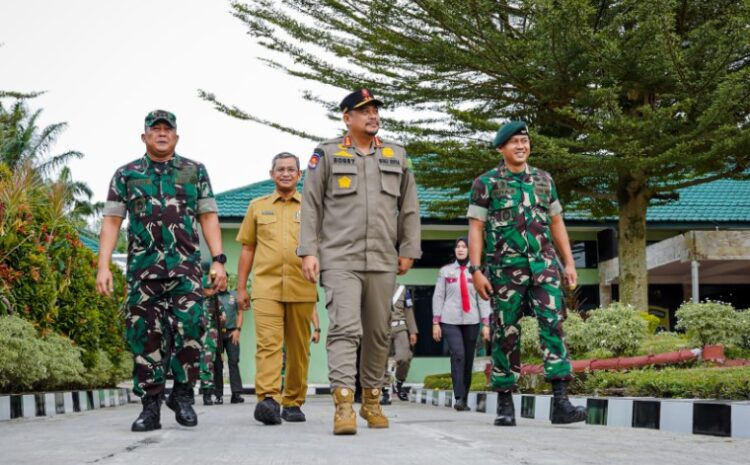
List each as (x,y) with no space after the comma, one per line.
(89,240)
(723,201)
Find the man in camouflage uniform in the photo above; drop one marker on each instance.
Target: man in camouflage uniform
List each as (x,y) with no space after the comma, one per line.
(209,342)
(360,214)
(164,196)
(403,337)
(514,218)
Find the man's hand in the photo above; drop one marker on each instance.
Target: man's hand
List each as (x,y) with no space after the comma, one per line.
(310,268)
(437,333)
(235,337)
(412,339)
(104,282)
(486,333)
(404,265)
(243,299)
(316,336)
(570,276)
(220,282)
(482,285)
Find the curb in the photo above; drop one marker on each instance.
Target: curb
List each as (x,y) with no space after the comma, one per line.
(49,404)
(691,416)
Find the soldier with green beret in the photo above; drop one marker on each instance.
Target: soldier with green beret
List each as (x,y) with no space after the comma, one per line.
(515,224)
(164,196)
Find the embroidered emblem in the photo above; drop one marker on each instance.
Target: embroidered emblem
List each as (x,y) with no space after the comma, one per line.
(387,152)
(345,182)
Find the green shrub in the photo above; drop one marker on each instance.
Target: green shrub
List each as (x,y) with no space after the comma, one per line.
(663,342)
(744,329)
(617,328)
(709,323)
(574,329)
(530,338)
(64,366)
(653,321)
(443,381)
(702,383)
(20,363)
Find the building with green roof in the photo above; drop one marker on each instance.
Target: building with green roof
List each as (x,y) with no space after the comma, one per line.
(719,205)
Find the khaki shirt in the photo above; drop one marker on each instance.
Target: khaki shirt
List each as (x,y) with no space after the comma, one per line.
(357,208)
(272,224)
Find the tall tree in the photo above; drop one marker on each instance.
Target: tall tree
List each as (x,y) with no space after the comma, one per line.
(628,100)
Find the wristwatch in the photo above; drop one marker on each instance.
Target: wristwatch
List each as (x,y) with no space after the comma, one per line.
(474,268)
(221,258)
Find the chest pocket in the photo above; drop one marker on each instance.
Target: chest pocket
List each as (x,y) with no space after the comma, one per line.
(265,221)
(390,179)
(344,179)
(542,195)
(140,193)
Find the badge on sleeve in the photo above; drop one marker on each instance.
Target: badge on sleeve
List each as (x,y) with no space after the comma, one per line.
(317,154)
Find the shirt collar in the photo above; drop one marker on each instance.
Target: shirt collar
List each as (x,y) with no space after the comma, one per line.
(276,196)
(172,162)
(503,170)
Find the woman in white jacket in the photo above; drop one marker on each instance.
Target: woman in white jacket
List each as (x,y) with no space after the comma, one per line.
(457,314)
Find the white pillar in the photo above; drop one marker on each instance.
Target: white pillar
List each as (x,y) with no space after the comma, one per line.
(694,265)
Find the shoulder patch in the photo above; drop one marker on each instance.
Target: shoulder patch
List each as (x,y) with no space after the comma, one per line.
(318,153)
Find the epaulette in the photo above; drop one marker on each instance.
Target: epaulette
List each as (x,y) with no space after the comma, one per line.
(262,197)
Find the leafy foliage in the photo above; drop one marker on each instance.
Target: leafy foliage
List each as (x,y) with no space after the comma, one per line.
(709,323)
(652,321)
(618,329)
(744,329)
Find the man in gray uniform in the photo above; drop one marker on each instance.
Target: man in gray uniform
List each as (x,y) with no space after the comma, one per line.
(360,215)
(403,338)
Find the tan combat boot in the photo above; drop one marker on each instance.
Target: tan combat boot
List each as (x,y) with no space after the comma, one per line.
(371,410)
(344,420)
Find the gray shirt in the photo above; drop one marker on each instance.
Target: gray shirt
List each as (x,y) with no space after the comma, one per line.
(446,301)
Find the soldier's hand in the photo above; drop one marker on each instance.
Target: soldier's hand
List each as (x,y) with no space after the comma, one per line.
(437,333)
(486,333)
(243,300)
(412,340)
(482,286)
(310,268)
(104,282)
(404,265)
(220,282)
(235,336)
(571,277)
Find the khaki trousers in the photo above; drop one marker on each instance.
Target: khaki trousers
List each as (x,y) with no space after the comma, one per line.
(401,350)
(359,313)
(280,324)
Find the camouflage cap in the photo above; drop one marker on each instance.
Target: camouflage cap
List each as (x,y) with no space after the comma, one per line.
(509,130)
(357,99)
(161,115)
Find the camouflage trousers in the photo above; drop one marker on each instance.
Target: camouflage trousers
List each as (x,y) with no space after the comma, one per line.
(516,289)
(151,304)
(209,348)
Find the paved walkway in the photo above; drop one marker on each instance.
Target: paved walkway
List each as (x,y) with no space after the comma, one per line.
(227,434)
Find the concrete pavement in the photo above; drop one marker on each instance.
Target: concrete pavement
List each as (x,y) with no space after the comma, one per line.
(227,434)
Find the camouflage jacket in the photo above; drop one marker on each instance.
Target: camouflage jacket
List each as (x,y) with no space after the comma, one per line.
(162,202)
(227,306)
(516,212)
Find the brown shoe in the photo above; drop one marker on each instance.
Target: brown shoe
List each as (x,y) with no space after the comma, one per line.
(344,420)
(371,410)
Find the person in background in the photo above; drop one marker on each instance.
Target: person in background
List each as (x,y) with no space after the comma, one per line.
(457,315)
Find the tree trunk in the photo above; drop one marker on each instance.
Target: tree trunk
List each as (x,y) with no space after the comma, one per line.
(632,249)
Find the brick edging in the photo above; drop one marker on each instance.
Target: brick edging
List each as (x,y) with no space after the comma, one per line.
(692,416)
(47,404)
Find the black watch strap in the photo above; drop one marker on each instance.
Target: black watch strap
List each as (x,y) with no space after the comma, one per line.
(474,268)
(221,258)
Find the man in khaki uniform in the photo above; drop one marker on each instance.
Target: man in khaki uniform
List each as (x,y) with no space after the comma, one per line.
(283,299)
(359,204)
(403,337)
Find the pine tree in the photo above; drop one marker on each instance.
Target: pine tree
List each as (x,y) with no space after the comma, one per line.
(627,100)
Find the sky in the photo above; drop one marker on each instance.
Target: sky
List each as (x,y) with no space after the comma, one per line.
(105,64)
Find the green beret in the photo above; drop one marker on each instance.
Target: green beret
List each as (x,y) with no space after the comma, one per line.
(509,130)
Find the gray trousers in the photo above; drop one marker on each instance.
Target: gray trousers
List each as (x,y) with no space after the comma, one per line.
(233,358)
(359,313)
(401,351)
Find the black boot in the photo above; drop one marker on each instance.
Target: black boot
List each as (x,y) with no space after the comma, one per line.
(179,401)
(207,400)
(460,405)
(399,390)
(506,412)
(562,410)
(385,398)
(236,398)
(150,417)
